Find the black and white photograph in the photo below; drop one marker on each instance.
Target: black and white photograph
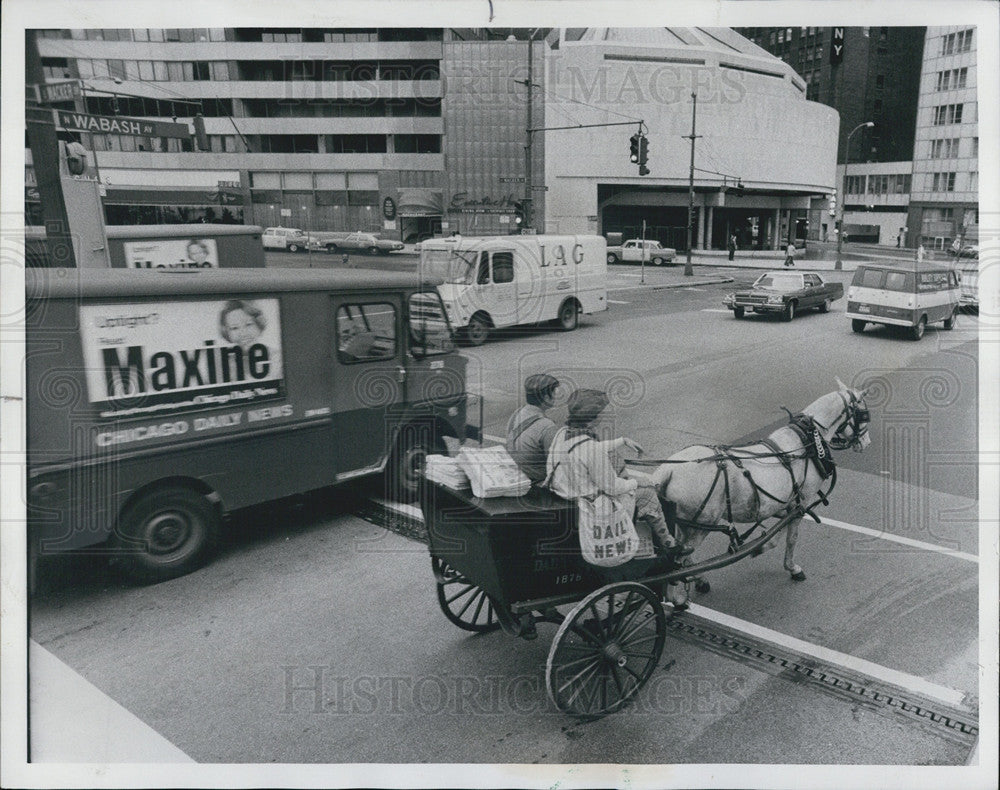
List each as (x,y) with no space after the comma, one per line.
(500,394)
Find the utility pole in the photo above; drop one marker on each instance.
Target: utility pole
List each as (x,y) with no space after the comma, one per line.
(528,205)
(44,145)
(688,270)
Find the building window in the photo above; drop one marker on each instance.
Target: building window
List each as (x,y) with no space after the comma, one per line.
(947,113)
(974,181)
(955,78)
(943,182)
(975,146)
(877,107)
(963,42)
(879,81)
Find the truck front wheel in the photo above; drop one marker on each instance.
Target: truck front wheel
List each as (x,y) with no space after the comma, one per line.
(478,330)
(166,533)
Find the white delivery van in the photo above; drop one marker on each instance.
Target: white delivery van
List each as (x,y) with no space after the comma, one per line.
(511,280)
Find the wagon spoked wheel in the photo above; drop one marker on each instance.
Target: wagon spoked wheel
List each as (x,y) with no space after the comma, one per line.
(606,649)
(465,604)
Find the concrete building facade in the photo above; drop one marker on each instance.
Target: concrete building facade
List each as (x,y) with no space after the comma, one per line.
(753,126)
(944,203)
(418,132)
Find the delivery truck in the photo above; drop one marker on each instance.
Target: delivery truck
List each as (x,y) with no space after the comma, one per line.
(512,280)
(159,402)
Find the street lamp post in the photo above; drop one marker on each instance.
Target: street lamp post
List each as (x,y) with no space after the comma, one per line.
(843,194)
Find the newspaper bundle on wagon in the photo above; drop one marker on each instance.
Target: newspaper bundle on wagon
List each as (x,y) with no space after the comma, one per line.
(158,402)
(504,281)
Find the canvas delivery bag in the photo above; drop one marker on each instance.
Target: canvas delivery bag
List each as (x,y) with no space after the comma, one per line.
(608,537)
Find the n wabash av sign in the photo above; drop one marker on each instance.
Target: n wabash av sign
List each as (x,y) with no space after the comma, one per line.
(116,124)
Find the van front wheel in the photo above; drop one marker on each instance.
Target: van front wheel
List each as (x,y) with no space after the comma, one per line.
(478,330)
(568,316)
(166,533)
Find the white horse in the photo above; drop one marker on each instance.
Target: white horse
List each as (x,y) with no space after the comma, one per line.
(725,487)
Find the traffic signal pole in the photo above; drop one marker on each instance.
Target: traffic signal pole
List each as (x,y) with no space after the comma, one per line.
(528,212)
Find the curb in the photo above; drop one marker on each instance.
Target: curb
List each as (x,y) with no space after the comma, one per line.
(667,286)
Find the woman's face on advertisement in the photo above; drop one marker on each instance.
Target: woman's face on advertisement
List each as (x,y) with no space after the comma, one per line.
(241,327)
(197,253)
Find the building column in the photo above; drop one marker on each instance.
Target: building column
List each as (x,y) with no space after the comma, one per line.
(696,240)
(707,235)
(776,230)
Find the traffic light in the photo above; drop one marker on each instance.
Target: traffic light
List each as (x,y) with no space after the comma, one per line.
(740,189)
(643,155)
(76,159)
(634,150)
(519,213)
(199,132)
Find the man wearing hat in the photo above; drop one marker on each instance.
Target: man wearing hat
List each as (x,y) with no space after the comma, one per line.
(529,431)
(580,465)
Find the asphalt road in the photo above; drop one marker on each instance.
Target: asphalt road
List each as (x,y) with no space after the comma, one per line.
(316,636)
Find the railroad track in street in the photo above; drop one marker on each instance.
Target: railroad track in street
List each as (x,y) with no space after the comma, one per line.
(948,714)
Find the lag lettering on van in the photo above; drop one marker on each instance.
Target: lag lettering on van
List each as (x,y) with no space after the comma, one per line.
(147,358)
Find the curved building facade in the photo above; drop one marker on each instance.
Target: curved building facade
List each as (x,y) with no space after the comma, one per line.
(753,125)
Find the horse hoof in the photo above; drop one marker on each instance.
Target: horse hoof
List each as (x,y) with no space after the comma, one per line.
(799,577)
(702,586)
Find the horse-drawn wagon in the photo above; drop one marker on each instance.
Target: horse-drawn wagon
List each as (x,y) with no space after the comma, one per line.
(509,562)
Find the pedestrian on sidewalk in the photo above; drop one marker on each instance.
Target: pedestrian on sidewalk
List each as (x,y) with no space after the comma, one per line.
(790,255)
(732,246)
(899,239)
(920,254)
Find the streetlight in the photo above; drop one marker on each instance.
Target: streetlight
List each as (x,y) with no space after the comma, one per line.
(843,196)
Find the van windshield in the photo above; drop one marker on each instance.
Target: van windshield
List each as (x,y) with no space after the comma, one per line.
(452,266)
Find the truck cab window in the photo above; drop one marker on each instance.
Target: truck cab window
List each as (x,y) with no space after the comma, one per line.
(366,332)
(430,332)
(503,267)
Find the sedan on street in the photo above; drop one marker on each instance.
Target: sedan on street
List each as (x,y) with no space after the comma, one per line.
(785,292)
(359,242)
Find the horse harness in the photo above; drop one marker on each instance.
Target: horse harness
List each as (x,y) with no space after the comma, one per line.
(816,450)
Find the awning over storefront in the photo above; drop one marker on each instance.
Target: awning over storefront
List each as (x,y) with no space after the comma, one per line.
(420,203)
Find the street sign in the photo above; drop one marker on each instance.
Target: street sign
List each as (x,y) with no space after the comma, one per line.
(50,92)
(286,212)
(114,124)
(511,179)
(228,184)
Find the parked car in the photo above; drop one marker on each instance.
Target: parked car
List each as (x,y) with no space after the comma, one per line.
(631,252)
(360,242)
(290,239)
(785,292)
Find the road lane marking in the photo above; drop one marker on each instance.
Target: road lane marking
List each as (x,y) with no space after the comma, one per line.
(616,301)
(904,680)
(715,310)
(917,544)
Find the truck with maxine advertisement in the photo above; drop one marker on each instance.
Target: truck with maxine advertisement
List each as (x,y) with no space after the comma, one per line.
(157,403)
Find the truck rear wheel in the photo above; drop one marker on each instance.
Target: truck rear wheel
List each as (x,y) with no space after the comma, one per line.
(166,533)
(406,466)
(917,332)
(949,322)
(568,315)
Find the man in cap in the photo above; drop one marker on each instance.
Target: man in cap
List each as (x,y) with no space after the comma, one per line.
(529,430)
(596,467)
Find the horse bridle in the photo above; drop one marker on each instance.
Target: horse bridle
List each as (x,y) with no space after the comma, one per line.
(856,417)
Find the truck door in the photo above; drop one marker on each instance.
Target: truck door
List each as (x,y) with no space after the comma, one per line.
(368,377)
(495,291)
